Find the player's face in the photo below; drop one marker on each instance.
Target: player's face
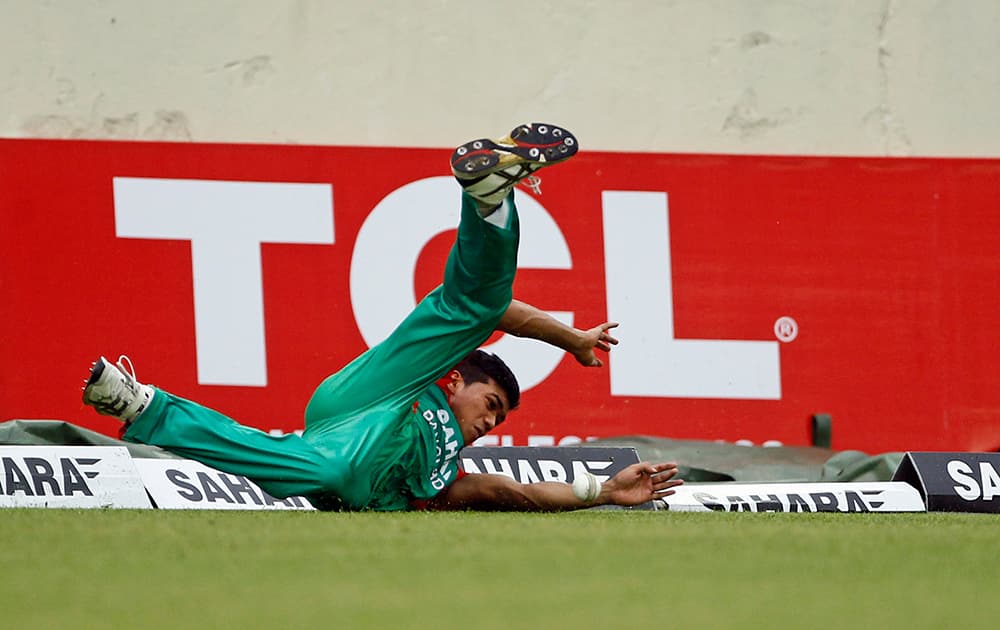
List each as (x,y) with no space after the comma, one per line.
(478,407)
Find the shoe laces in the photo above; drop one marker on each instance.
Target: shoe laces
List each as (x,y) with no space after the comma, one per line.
(129,371)
(532,183)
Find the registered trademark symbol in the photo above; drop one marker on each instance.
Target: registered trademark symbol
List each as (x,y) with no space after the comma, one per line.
(785,329)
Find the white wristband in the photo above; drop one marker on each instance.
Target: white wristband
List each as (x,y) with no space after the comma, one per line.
(586,487)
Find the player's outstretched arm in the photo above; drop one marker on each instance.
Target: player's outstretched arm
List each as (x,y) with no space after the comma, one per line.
(523,320)
(634,485)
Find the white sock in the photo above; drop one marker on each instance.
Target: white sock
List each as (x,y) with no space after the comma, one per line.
(498,216)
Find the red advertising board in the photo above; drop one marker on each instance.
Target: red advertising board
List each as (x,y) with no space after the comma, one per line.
(752,291)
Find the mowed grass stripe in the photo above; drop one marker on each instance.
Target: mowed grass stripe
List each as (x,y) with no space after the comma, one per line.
(92,568)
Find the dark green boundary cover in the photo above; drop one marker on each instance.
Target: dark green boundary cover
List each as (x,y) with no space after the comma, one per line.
(60,433)
(698,460)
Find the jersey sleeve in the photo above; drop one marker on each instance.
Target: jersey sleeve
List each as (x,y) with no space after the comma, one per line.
(423,504)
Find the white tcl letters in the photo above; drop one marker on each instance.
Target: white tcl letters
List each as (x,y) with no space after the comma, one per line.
(226,222)
(640,295)
(968,486)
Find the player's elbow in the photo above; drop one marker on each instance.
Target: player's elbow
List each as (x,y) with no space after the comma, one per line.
(514,496)
(488,493)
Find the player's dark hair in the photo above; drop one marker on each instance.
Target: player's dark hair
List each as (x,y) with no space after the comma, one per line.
(480,366)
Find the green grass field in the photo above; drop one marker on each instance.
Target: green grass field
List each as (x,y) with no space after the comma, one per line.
(159,569)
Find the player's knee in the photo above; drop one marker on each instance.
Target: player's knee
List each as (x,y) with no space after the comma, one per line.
(338,477)
(332,475)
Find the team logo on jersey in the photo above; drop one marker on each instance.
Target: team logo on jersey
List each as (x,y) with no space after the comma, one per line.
(447,447)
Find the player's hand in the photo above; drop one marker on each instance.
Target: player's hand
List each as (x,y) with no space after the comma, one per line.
(640,483)
(597,338)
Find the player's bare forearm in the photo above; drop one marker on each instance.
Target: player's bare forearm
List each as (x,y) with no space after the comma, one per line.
(634,485)
(523,320)
(498,493)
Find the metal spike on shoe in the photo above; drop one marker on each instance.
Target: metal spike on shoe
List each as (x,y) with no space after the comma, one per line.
(488,169)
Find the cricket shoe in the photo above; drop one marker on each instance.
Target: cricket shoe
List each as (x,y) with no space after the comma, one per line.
(113,391)
(488,169)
